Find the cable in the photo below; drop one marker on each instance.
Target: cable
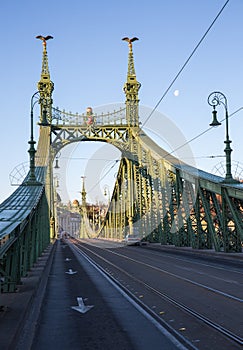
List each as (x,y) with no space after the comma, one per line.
(184,65)
(194,138)
(97,183)
(202,157)
(87,158)
(202,133)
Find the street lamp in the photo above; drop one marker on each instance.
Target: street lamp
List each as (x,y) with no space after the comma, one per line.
(32,178)
(108,232)
(217,98)
(57,157)
(107,193)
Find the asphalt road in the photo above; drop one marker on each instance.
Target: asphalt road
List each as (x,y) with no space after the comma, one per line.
(198,294)
(112,322)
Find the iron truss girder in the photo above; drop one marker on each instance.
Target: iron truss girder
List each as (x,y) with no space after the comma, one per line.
(116,135)
(171,202)
(232,210)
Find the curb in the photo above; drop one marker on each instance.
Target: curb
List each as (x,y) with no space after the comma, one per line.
(22,308)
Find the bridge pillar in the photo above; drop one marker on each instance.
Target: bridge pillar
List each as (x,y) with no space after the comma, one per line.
(130,224)
(52,227)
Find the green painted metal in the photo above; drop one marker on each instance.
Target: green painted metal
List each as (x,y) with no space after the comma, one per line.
(24,216)
(30,237)
(131,89)
(45,87)
(210,238)
(166,201)
(232,223)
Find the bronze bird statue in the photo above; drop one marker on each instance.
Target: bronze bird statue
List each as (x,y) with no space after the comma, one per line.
(44,38)
(130,40)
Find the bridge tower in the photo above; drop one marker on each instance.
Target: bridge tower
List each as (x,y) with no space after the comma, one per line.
(43,155)
(131,88)
(83,211)
(45,86)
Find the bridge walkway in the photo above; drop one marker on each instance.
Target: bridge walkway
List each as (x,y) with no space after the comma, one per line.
(15,307)
(113,323)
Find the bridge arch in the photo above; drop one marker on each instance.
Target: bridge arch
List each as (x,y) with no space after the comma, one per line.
(96,161)
(173,201)
(170,201)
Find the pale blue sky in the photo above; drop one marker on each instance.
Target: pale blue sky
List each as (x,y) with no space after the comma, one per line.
(88,65)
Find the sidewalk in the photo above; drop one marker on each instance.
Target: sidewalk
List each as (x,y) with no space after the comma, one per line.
(15,306)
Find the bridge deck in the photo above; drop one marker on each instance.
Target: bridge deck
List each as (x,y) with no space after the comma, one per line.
(17,305)
(111,314)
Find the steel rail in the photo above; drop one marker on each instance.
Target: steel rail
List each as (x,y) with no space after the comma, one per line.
(237,339)
(182,278)
(137,301)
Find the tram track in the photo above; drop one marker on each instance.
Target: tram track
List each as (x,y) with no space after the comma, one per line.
(213,290)
(111,269)
(186,344)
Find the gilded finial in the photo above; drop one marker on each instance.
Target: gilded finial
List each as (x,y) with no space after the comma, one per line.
(130,41)
(44,38)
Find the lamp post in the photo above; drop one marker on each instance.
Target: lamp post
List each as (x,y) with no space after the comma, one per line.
(107,193)
(32,178)
(57,164)
(56,185)
(108,224)
(217,98)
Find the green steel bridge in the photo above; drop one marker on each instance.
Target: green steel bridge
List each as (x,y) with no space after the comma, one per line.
(164,199)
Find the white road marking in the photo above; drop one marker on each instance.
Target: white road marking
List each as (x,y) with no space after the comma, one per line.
(81,307)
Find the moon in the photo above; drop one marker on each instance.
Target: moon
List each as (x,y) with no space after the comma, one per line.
(176,93)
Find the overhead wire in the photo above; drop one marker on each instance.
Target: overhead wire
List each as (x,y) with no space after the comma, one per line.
(169,153)
(167,90)
(185,64)
(97,183)
(87,158)
(202,133)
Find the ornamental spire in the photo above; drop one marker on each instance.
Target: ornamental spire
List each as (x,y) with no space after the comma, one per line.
(45,69)
(83,192)
(45,85)
(131,69)
(131,88)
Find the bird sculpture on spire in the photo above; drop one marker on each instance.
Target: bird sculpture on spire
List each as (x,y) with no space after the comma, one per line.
(44,38)
(130,40)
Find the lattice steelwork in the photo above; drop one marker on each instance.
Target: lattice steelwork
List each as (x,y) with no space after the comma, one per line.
(172,205)
(162,199)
